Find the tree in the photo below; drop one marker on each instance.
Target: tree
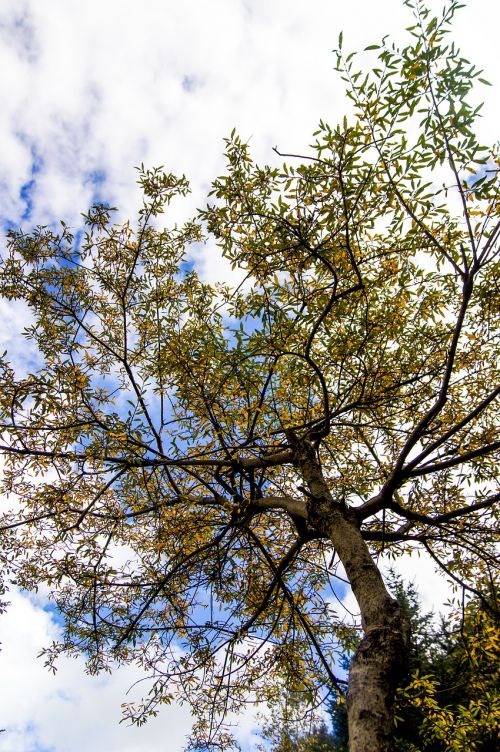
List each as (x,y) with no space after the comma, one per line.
(451,701)
(448,700)
(287,739)
(187,458)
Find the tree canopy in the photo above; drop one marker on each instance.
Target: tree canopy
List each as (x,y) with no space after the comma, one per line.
(198,468)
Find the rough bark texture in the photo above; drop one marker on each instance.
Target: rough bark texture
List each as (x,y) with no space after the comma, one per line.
(373,677)
(382,653)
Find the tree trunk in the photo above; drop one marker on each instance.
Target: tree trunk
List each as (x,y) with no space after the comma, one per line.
(382,655)
(375,670)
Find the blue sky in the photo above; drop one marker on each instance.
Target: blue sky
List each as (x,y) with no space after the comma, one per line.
(91,89)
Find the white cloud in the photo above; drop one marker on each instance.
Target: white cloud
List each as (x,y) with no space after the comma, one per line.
(433,588)
(70,711)
(100,86)
(15,316)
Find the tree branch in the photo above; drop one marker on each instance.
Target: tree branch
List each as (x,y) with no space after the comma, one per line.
(294,507)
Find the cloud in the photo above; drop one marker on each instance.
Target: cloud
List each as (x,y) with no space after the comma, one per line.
(105,86)
(100,87)
(15,316)
(70,711)
(433,588)
(108,86)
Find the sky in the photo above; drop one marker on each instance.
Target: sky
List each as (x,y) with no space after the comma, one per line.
(88,91)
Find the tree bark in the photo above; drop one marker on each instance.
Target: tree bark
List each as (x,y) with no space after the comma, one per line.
(382,654)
